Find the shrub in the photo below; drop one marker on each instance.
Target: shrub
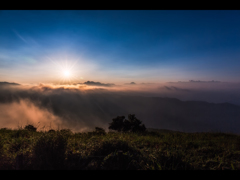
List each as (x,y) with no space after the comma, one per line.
(66,132)
(117,155)
(107,147)
(99,131)
(1,146)
(30,128)
(2,165)
(51,131)
(173,161)
(20,133)
(18,144)
(5,130)
(49,151)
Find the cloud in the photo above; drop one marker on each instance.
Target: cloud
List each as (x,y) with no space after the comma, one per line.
(7,83)
(147,83)
(19,36)
(193,81)
(132,83)
(83,109)
(92,83)
(197,81)
(19,114)
(175,88)
(72,108)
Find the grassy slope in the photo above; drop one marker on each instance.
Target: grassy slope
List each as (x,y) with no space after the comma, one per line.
(161,130)
(21,149)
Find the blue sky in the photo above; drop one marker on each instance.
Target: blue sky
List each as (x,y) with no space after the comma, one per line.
(120,46)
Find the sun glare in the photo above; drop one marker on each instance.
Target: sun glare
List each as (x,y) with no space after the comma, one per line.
(66,74)
(65,71)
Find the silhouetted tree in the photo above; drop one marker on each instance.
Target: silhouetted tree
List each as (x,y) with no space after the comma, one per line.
(131,125)
(117,123)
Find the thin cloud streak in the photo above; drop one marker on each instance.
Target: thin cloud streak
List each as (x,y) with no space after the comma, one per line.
(92,83)
(18,35)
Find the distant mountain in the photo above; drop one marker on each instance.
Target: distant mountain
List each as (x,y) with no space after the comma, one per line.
(7,83)
(159,113)
(186,116)
(173,114)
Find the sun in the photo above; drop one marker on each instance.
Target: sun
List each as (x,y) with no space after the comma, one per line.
(66,73)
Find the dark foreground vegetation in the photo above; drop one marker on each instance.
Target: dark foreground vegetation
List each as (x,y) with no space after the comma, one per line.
(29,149)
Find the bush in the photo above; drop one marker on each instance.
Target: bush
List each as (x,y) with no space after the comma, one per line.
(99,131)
(2,165)
(18,144)
(1,146)
(131,125)
(5,130)
(109,146)
(30,128)
(66,132)
(117,155)
(49,151)
(20,133)
(173,161)
(51,131)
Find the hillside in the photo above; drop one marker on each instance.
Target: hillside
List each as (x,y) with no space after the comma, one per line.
(161,130)
(164,150)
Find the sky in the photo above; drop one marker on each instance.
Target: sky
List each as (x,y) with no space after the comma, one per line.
(119,46)
(81,68)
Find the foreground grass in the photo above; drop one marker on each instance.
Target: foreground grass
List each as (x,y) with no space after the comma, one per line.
(23,149)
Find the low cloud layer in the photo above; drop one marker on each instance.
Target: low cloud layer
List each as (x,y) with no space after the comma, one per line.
(82,108)
(92,83)
(198,81)
(19,114)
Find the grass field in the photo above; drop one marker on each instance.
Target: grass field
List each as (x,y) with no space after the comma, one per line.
(24,149)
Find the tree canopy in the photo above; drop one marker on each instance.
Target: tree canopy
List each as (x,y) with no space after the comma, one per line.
(132,124)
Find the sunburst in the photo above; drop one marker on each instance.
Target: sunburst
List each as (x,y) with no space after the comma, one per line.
(66,71)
